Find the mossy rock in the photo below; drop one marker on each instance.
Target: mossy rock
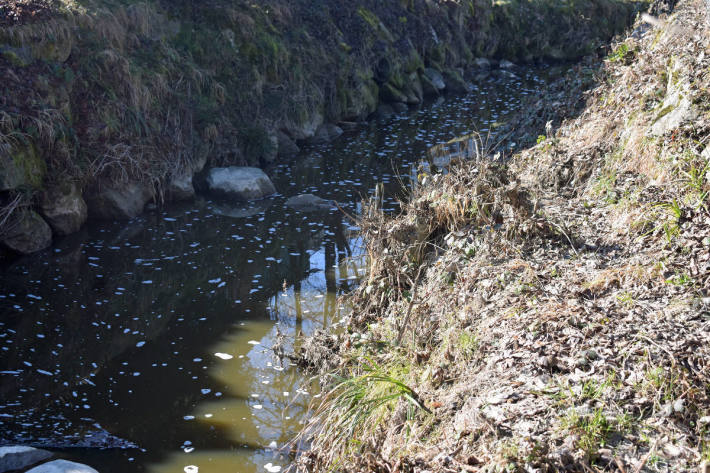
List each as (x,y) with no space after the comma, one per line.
(21,167)
(454,81)
(428,86)
(26,232)
(361,101)
(390,93)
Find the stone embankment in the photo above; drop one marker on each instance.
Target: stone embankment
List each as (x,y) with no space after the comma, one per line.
(109,105)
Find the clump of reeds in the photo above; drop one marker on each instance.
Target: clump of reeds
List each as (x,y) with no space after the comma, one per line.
(353,409)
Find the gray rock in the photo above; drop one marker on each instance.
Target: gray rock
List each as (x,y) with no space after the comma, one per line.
(309,203)
(19,457)
(413,89)
(326,133)
(435,78)
(287,147)
(26,232)
(64,208)
(306,129)
(390,93)
(482,63)
(180,188)
(62,466)
(119,202)
(454,81)
(244,183)
(677,109)
(428,86)
(675,113)
(505,64)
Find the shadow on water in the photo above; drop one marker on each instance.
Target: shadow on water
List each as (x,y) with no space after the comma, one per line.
(145,346)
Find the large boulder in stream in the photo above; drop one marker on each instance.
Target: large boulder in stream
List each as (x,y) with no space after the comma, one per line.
(244,183)
(19,457)
(26,232)
(62,466)
(64,208)
(117,202)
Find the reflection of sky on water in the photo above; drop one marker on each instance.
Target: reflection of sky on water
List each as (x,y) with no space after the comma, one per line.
(264,399)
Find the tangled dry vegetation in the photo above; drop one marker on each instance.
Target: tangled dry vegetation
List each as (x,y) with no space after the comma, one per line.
(551,313)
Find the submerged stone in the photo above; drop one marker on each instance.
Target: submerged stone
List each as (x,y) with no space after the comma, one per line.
(18,457)
(309,202)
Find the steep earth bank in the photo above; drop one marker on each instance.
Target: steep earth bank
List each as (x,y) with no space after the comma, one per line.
(112,103)
(550,312)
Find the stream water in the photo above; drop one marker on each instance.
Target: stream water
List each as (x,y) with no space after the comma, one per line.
(146,346)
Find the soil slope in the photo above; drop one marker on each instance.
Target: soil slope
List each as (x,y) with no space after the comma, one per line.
(549,312)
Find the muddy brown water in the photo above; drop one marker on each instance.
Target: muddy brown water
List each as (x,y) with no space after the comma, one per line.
(145,346)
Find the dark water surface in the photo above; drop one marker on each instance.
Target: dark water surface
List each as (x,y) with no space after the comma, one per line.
(145,346)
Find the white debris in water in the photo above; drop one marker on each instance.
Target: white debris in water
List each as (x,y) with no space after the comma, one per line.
(140,344)
(205,391)
(253,342)
(208,415)
(273,445)
(188,449)
(255,396)
(147,281)
(287,394)
(223,356)
(258,406)
(215,281)
(190,469)
(44,372)
(189,417)
(272,468)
